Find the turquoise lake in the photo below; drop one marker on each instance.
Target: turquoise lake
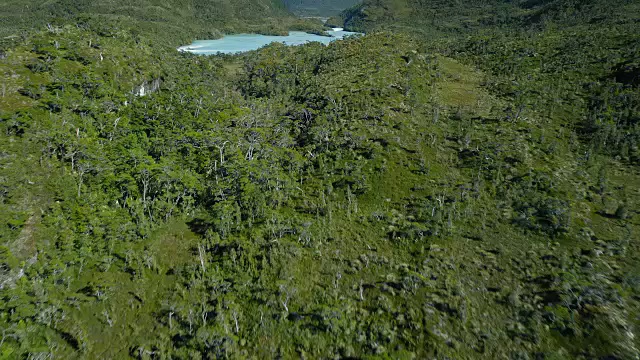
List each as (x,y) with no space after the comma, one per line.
(233,44)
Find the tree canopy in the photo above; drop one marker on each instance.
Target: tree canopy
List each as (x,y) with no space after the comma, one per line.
(460,182)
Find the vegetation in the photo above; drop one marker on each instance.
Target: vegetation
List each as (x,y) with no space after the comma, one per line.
(319,7)
(164,22)
(460,185)
(541,54)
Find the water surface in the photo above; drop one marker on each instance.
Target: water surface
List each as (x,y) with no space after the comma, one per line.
(233,44)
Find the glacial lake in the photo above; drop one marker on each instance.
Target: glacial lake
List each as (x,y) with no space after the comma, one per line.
(238,43)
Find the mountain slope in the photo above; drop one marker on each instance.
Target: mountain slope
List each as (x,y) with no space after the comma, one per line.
(463,186)
(552,51)
(366,198)
(164,20)
(422,15)
(474,15)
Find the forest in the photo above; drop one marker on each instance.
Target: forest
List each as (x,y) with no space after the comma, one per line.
(461,182)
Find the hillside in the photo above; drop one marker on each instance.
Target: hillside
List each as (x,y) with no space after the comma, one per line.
(446,17)
(166,21)
(543,52)
(463,185)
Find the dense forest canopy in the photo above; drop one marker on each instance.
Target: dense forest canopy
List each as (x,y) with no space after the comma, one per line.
(461,182)
(164,21)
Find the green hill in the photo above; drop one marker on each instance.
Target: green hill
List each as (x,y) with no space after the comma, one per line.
(460,183)
(519,42)
(162,20)
(469,16)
